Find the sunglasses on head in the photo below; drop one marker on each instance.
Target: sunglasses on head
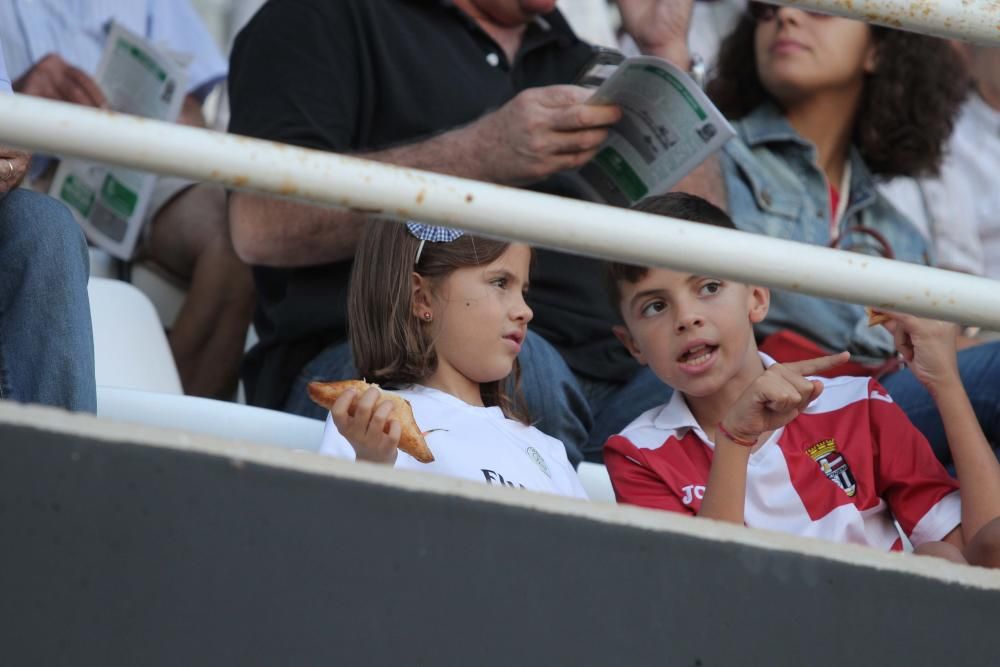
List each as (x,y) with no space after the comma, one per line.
(762,12)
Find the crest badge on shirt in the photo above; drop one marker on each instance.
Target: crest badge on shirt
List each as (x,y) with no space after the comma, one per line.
(536,456)
(833,465)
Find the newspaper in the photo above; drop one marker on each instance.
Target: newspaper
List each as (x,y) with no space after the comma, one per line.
(668,127)
(110,202)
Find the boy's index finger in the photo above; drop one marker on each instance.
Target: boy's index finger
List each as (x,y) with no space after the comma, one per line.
(814,366)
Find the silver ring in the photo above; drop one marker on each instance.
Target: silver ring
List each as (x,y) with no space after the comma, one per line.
(10,170)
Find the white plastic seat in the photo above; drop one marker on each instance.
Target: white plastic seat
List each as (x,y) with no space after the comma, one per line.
(210,417)
(167,296)
(596,482)
(165,293)
(130,348)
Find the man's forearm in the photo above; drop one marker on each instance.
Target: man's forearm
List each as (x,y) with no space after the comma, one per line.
(454,152)
(276,232)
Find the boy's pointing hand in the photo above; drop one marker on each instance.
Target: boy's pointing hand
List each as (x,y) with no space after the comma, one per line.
(815,366)
(777,397)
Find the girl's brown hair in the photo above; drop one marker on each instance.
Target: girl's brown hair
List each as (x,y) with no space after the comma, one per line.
(391,346)
(907,110)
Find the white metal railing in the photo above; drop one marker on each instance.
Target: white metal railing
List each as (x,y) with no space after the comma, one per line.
(970,20)
(544,220)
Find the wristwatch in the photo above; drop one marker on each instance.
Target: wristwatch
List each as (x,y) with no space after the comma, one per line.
(698,70)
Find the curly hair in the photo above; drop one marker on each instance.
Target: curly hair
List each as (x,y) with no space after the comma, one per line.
(908,107)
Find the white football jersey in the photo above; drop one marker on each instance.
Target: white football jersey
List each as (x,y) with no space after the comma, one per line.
(478,444)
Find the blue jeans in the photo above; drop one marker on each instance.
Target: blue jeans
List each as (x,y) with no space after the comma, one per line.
(980,370)
(334,363)
(46,339)
(579,412)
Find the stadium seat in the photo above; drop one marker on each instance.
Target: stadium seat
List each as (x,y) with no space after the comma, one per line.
(596,482)
(130,348)
(209,417)
(166,293)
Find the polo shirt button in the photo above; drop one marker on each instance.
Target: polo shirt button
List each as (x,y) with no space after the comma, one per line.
(493,59)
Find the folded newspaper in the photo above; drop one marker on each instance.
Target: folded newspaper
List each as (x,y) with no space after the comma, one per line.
(110,202)
(668,127)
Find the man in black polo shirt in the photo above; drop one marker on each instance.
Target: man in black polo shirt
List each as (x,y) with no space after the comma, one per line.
(462,87)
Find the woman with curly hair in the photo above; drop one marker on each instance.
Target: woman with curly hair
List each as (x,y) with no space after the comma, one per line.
(823,106)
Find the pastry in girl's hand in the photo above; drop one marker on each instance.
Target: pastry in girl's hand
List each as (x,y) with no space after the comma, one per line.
(411,439)
(876,317)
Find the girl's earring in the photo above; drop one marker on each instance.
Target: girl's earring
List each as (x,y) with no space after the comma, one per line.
(427,316)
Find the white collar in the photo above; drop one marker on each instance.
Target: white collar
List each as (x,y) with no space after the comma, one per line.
(676,414)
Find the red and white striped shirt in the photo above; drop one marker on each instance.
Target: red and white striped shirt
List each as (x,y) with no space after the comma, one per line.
(840,471)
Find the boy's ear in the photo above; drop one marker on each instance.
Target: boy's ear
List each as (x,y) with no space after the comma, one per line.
(622,333)
(760,302)
(420,297)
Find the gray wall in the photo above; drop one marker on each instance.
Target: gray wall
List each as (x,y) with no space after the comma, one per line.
(117,553)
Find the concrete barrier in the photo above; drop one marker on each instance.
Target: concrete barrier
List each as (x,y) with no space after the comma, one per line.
(133,546)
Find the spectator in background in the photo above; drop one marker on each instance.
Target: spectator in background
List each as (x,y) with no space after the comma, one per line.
(46,341)
(823,105)
(959,211)
(437,86)
(53,49)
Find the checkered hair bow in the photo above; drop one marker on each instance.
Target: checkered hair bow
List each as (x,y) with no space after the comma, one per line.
(432,233)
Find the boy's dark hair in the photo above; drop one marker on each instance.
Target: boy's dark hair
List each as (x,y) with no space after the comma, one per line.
(679,205)
(908,106)
(390,345)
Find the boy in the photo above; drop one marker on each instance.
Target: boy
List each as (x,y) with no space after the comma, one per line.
(747,440)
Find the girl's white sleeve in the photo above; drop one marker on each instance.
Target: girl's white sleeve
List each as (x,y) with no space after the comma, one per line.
(335,444)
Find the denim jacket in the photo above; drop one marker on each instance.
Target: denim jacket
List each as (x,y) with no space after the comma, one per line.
(776,188)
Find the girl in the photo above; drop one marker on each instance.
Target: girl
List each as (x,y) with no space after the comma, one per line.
(824,105)
(439,317)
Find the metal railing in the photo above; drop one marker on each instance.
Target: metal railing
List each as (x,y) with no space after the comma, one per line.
(975,21)
(543,220)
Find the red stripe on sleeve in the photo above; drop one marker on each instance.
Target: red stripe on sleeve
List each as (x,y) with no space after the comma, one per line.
(646,481)
(909,476)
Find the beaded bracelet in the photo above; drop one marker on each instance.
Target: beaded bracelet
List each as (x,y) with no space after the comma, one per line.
(736,441)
